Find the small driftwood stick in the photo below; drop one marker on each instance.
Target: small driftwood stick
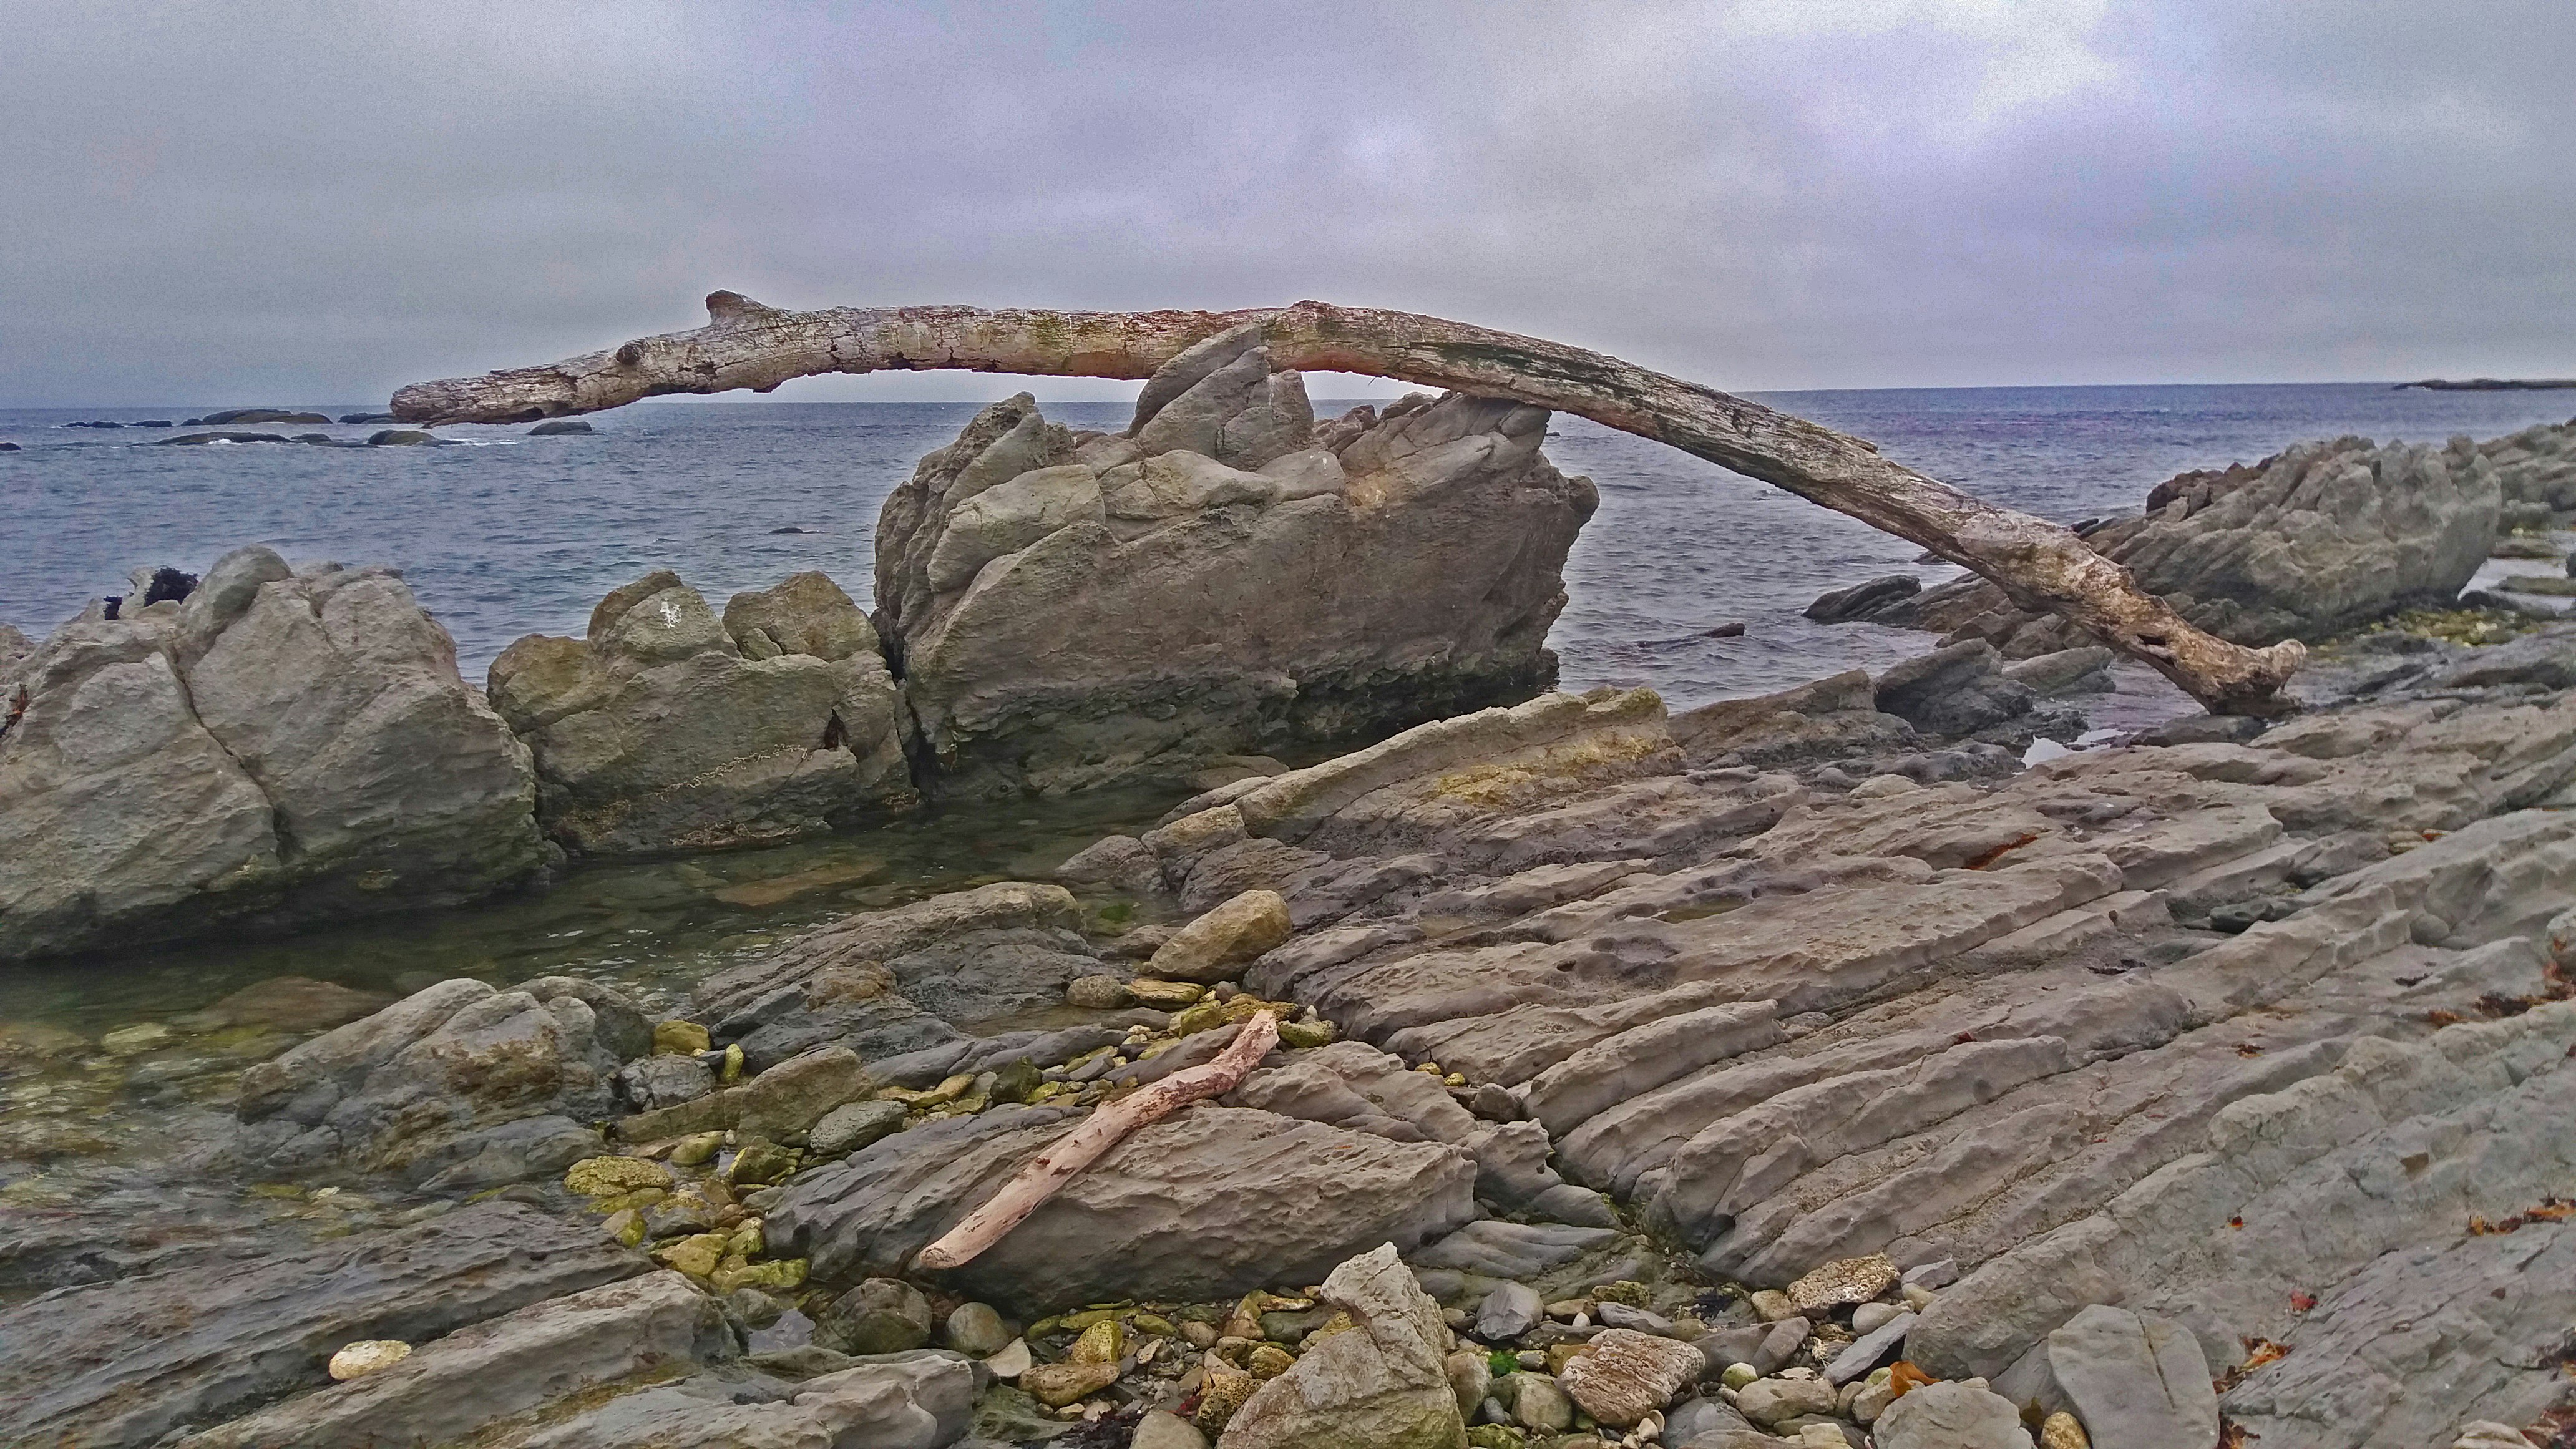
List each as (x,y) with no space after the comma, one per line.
(1107,1126)
(2039,565)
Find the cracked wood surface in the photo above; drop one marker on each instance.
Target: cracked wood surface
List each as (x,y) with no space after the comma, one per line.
(2039,565)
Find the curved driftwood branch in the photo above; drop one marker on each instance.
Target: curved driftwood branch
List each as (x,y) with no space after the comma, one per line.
(2039,565)
(1106,1127)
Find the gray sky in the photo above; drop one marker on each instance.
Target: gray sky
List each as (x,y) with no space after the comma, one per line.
(211,203)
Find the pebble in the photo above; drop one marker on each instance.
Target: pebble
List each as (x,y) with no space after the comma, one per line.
(1221,1392)
(1058,1384)
(1869,1316)
(2061,1431)
(1013,1361)
(977,1329)
(1097,993)
(1773,1401)
(366,1356)
(1940,1273)
(1852,1280)
(1771,1305)
(1103,1342)
(696,1148)
(1737,1375)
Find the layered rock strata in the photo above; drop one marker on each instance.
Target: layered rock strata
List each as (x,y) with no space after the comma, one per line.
(669,728)
(276,748)
(1223,578)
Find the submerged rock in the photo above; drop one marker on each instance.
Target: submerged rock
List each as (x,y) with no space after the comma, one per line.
(1224,578)
(668,728)
(281,747)
(461,1084)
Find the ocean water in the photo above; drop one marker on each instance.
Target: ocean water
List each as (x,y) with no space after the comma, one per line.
(518,535)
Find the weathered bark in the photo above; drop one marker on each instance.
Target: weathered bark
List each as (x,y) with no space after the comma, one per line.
(1107,1126)
(2039,564)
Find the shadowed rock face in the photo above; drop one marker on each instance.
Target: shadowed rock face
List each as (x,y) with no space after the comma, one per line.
(1224,579)
(279,747)
(672,729)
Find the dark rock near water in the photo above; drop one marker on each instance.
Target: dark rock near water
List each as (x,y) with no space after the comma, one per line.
(254,415)
(365,418)
(185,440)
(404,438)
(1860,601)
(1954,690)
(560,427)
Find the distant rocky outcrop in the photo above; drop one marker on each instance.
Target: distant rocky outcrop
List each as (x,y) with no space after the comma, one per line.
(231,416)
(669,728)
(281,746)
(1073,610)
(2310,542)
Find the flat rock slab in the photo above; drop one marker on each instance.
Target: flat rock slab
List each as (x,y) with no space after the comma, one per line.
(1210,1202)
(450,1387)
(126,1362)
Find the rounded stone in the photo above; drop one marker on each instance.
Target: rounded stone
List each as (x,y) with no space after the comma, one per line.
(978,1329)
(881,1315)
(680,1037)
(366,1356)
(607,1176)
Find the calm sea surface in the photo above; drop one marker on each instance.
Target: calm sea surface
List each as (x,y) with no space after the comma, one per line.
(521,535)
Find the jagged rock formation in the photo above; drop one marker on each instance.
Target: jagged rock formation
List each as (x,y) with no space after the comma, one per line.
(279,747)
(2310,542)
(1222,579)
(668,728)
(2536,467)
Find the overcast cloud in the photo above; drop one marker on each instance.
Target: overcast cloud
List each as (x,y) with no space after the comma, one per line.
(277,202)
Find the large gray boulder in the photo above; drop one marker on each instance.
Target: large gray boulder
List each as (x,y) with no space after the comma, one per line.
(462,1085)
(1070,611)
(2315,540)
(280,747)
(669,728)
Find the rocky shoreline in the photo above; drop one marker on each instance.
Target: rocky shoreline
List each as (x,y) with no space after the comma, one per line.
(1840,1067)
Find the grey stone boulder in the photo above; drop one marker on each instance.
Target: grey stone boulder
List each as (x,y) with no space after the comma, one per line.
(518,1363)
(424,1084)
(125,1363)
(663,1081)
(1301,585)
(1382,1386)
(810,972)
(1951,1415)
(881,1315)
(1210,1202)
(2313,541)
(669,728)
(280,747)
(1955,690)
(1862,600)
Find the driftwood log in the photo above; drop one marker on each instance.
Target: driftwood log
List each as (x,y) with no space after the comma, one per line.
(1091,1139)
(2040,565)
